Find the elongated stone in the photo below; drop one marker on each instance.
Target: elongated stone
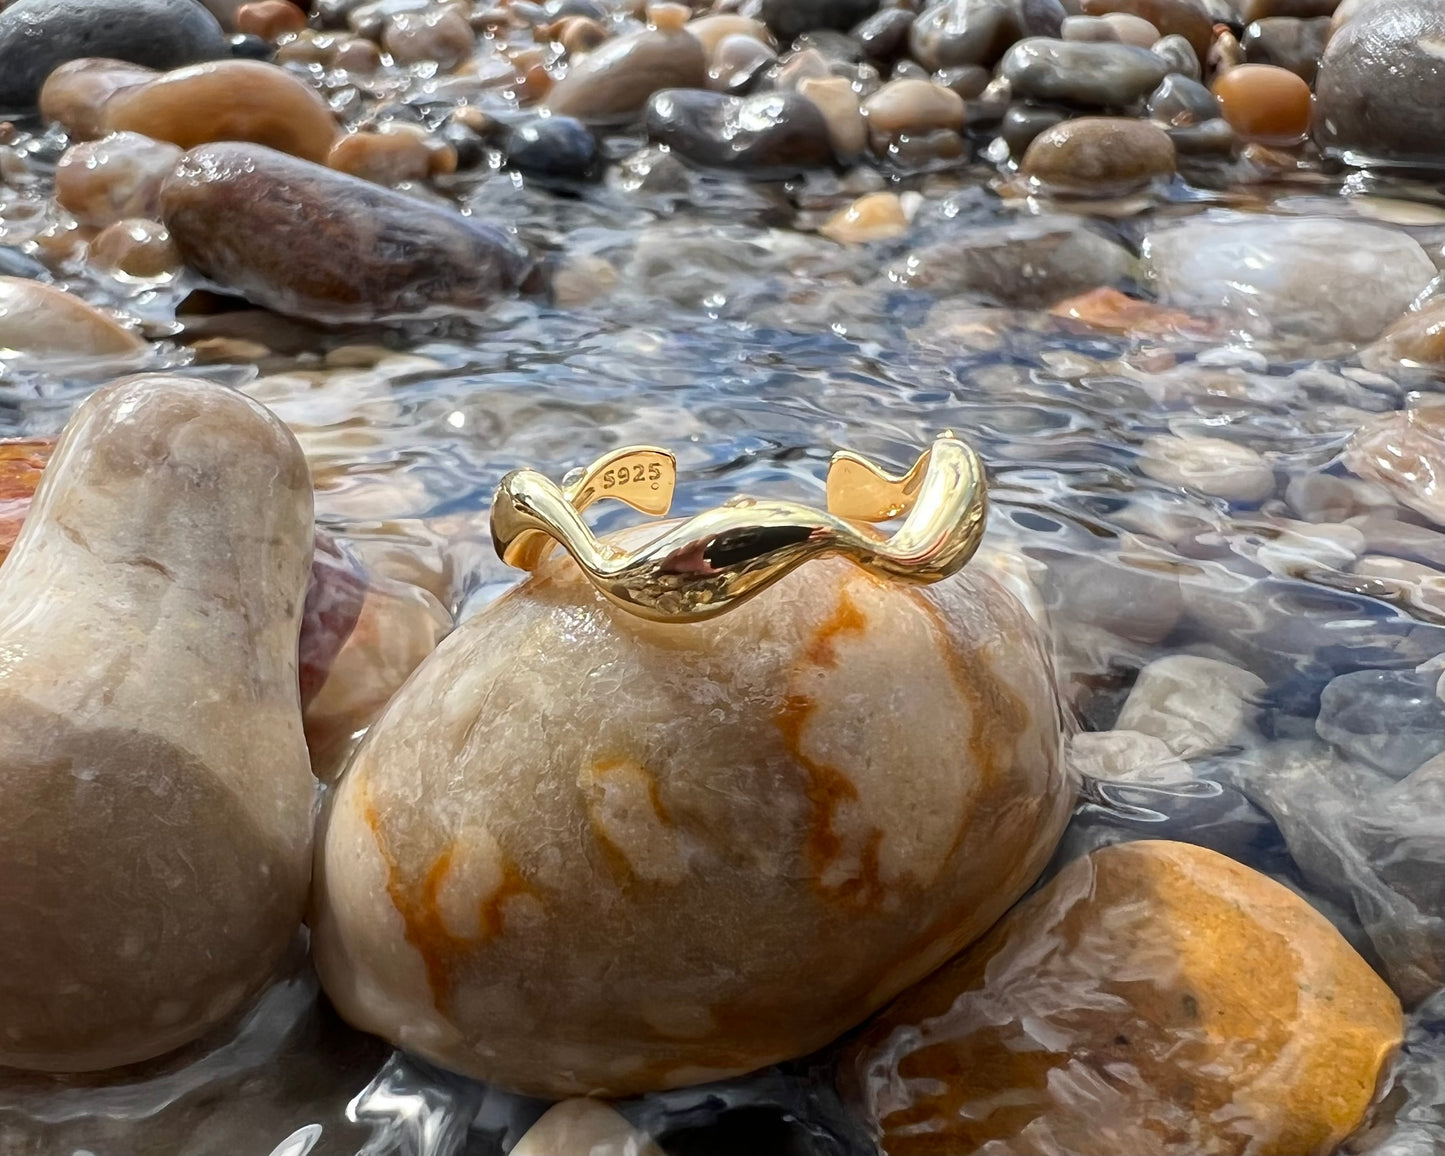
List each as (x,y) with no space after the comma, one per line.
(306,240)
(1154,997)
(43,321)
(1100,75)
(850,778)
(155,797)
(612,83)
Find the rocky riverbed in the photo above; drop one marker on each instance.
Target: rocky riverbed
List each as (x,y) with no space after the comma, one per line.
(1173,267)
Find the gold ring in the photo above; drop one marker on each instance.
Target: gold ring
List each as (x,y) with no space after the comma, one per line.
(716,560)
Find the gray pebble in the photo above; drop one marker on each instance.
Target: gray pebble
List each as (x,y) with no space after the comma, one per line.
(1097,75)
(1390,719)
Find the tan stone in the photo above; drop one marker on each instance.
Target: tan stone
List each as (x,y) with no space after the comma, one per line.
(387,158)
(581,852)
(584,1128)
(1405,453)
(913,106)
(711,31)
(227,100)
(1418,338)
(104,181)
(1116,312)
(76,94)
(1099,155)
(1154,997)
(875,217)
(440,36)
(137,248)
(42,321)
(839,105)
(155,797)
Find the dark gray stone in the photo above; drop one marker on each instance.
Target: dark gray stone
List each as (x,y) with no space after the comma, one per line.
(771,134)
(1179,101)
(1287,42)
(553,148)
(1381,84)
(1023,122)
(963,32)
(1079,72)
(884,35)
(37,36)
(311,242)
(789,19)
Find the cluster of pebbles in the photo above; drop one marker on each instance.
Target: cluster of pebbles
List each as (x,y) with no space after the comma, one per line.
(1140,250)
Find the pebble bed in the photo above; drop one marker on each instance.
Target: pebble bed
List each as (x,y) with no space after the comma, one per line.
(1172,266)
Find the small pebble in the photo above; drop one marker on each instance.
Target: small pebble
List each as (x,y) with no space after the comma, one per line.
(1210,465)
(1180,56)
(42,321)
(875,217)
(440,36)
(614,82)
(270,19)
(1179,102)
(711,31)
(1265,103)
(1186,18)
(137,248)
(1296,45)
(839,105)
(1405,453)
(913,106)
(553,148)
(1130,29)
(584,1128)
(387,158)
(1096,75)
(770,134)
(1126,757)
(75,95)
(1099,156)
(101,182)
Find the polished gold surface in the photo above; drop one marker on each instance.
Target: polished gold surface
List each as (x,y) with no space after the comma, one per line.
(717,559)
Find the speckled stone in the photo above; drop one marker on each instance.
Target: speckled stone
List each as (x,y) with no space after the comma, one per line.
(157,801)
(37,36)
(1154,997)
(526,917)
(305,240)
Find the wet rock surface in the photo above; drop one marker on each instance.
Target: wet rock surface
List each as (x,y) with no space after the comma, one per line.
(38,35)
(772,134)
(324,245)
(1146,982)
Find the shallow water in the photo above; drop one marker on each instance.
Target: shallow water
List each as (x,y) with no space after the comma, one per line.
(754,352)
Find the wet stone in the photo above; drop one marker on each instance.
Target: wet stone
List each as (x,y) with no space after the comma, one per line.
(884,36)
(1186,18)
(38,35)
(1196,706)
(40,320)
(301,239)
(1391,719)
(1265,103)
(269,19)
(386,158)
(1330,280)
(1287,43)
(137,248)
(103,181)
(1097,75)
(838,103)
(451,926)
(1179,54)
(1214,466)
(233,100)
(770,134)
(914,107)
(76,95)
(1099,156)
(553,148)
(1023,122)
(1380,82)
(875,217)
(440,36)
(174,830)
(1153,997)
(789,19)
(963,32)
(1179,101)
(613,83)
(1405,453)
(584,1126)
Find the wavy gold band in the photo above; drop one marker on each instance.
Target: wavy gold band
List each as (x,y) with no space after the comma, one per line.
(716,560)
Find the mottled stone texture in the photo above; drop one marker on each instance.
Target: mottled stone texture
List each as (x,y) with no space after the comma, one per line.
(155,798)
(585,853)
(1154,997)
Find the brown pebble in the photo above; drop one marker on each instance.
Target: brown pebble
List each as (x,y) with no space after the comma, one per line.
(838,103)
(103,181)
(76,94)
(43,321)
(712,30)
(913,106)
(875,217)
(668,17)
(357,55)
(613,83)
(386,158)
(1224,53)
(441,35)
(228,100)
(1264,102)
(1099,155)
(270,19)
(579,34)
(1186,18)
(137,248)
(1109,310)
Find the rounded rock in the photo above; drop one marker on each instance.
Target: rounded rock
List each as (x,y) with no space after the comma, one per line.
(1096,75)
(771,134)
(1287,42)
(914,107)
(37,36)
(1099,155)
(229,100)
(457,926)
(77,94)
(440,36)
(1180,56)
(145,822)
(963,32)
(1244,1020)
(1381,84)
(553,148)
(884,36)
(1186,18)
(1265,103)
(103,181)
(1210,465)
(875,217)
(39,320)
(136,248)
(1179,101)
(311,242)
(613,83)
(789,19)
(269,19)
(839,105)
